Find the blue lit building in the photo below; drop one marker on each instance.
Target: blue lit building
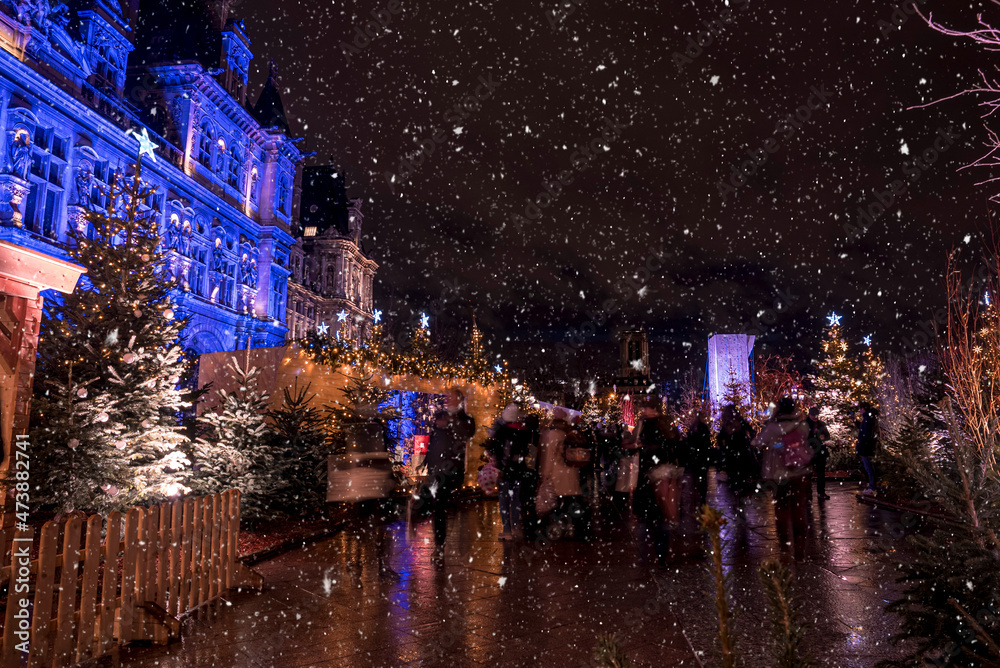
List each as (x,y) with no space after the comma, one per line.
(75,79)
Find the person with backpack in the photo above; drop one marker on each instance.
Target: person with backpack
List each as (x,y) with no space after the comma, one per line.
(868,443)
(785,462)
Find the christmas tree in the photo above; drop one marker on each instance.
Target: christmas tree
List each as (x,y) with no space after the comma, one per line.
(737,393)
(105,428)
(301,447)
(235,451)
(872,378)
(837,384)
(613,412)
(591,411)
(473,359)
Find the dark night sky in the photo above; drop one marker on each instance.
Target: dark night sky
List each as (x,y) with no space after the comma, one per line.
(448,228)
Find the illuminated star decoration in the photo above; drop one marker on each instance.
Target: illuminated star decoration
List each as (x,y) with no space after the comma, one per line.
(342,316)
(425,321)
(498,368)
(987,296)
(323,328)
(378,316)
(834,320)
(867,340)
(146,145)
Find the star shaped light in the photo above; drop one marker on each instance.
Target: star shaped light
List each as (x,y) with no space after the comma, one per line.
(425,321)
(867,340)
(342,316)
(833,319)
(378,316)
(498,368)
(146,145)
(323,328)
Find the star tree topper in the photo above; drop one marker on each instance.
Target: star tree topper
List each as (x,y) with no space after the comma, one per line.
(425,321)
(833,319)
(323,328)
(378,316)
(342,316)
(146,145)
(867,340)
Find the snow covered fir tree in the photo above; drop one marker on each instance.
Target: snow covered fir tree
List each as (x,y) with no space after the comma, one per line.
(837,384)
(110,365)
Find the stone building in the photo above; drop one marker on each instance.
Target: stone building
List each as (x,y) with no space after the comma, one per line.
(77,81)
(332,275)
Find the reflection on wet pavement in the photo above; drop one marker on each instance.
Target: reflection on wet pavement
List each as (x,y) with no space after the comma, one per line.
(843,583)
(514,604)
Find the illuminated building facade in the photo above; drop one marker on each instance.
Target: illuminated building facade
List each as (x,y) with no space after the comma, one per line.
(74,81)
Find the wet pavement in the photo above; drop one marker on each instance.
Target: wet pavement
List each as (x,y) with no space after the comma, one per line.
(516,604)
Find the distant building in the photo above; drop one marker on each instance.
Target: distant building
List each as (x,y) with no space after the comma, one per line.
(634,376)
(332,275)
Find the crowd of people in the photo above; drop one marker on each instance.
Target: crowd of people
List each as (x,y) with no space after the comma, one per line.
(553,473)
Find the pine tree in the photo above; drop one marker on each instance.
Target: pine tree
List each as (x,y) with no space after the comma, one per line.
(737,393)
(613,412)
(591,411)
(301,446)
(112,346)
(872,378)
(837,383)
(473,357)
(788,626)
(235,451)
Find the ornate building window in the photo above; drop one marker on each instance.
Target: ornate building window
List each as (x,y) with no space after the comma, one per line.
(284,195)
(206,143)
(44,206)
(233,171)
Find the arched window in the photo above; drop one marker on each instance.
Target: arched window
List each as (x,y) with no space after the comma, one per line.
(235,163)
(206,143)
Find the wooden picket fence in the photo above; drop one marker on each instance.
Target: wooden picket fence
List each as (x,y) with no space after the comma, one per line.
(117,580)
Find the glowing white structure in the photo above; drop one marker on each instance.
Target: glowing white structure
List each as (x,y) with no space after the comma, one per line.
(728,361)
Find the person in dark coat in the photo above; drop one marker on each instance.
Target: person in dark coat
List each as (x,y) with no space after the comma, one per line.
(509,449)
(818,436)
(868,442)
(699,448)
(453,428)
(734,438)
(529,478)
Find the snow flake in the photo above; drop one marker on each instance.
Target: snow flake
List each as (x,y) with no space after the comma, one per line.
(904,149)
(714,80)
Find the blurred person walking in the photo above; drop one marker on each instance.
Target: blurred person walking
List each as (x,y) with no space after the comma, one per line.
(868,443)
(818,436)
(699,453)
(785,467)
(450,435)
(738,458)
(509,449)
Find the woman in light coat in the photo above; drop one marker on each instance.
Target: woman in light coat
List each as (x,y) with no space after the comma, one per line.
(785,466)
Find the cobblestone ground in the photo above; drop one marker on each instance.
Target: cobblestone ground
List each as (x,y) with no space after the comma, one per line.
(516,604)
